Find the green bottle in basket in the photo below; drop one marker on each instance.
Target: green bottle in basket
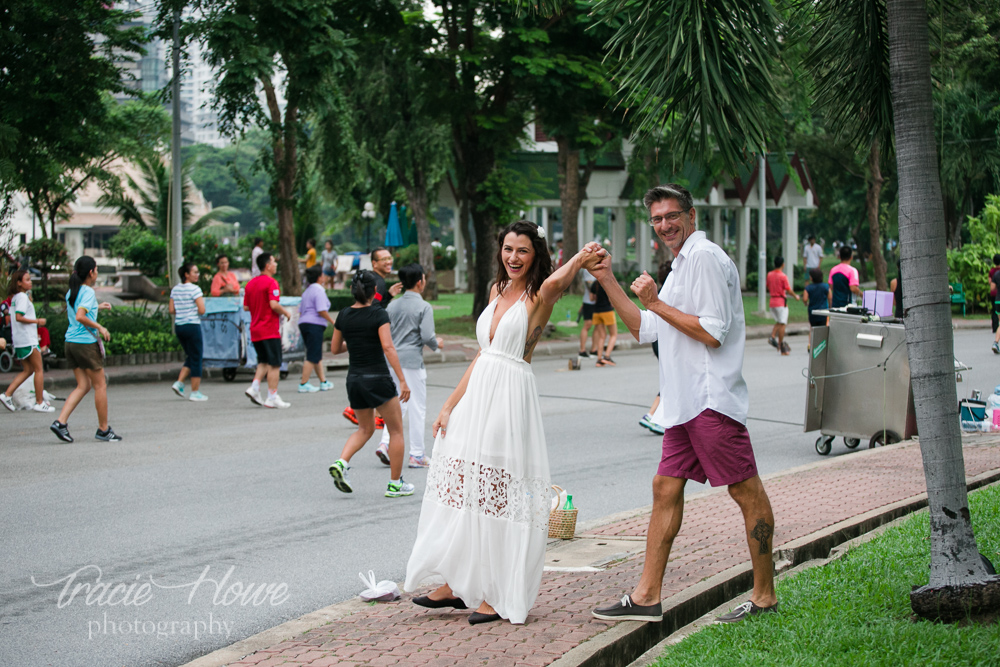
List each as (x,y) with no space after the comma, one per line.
(569,502)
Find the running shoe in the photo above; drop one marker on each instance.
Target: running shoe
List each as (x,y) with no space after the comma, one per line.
(996,348)
(42,407)
(382,452)
(178,388)
(339,473)
(350,416)
(254,395)
(276,402)
(420,462)
(308,388)
(8,402)
(197,396)
(379,423)
(583,354)
(61,431)
(325,386)
(107,436)
(646,421)
(398,489)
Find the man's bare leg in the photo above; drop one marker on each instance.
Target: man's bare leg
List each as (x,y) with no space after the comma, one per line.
(759,520)
(664,524)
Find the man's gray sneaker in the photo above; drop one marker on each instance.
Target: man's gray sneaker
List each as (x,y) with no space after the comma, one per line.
(399,489)
(61,431)
(626,610)
(996,348)
(107,436)
(745,610)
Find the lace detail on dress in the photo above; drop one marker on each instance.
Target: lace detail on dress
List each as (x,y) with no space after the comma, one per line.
(467,485)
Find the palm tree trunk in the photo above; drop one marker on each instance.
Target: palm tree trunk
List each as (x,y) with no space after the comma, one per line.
(955,561)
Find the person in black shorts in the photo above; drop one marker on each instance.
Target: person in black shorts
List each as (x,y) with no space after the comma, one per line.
(364,330)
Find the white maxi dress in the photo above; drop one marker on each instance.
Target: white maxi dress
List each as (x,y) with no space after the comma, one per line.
(484,519)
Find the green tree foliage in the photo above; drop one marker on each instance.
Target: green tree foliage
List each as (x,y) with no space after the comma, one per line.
(141,249)
(294,47)
(152,211)
(231,176)
(47,254)
(970,264)
(60,63)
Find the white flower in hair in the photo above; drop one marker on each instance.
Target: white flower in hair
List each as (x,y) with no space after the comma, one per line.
(540,231)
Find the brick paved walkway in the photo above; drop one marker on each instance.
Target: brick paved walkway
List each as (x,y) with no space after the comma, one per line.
(711,541)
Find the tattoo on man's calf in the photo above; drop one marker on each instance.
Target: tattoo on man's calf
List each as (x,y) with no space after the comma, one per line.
(762,533)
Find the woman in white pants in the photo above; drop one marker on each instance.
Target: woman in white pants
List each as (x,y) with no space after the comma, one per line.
(411,321)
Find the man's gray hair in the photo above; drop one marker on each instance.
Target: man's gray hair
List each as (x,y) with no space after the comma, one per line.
(669,191)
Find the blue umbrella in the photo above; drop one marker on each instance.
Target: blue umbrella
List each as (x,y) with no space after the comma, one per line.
(393,235)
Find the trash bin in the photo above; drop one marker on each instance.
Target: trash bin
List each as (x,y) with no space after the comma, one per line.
(858,383)
(225,329)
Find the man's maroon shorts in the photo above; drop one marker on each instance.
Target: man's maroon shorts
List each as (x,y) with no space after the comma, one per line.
(711,446)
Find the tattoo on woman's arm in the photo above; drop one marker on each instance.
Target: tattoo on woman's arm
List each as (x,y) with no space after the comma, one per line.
(529,344)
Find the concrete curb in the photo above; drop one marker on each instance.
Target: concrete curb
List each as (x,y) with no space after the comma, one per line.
(627,641)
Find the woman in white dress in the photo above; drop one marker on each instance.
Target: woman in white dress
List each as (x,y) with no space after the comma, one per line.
(484,519)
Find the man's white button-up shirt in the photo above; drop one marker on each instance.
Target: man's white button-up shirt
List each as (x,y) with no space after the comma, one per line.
(693,376)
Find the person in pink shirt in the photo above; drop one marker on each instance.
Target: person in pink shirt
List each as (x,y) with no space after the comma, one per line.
(778,287)
(224,283)
(844,280)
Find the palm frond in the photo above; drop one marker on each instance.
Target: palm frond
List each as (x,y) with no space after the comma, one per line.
(700,67)
(849,61)
(217,213)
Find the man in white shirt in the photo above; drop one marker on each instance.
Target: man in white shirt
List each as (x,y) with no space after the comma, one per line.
(812,253)
(698,320)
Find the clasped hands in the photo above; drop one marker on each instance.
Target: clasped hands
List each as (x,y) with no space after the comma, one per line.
(597,260)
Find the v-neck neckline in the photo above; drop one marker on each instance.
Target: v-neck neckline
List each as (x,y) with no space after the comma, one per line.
(493,330)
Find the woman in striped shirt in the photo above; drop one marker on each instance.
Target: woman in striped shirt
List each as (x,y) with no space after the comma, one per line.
(187,305)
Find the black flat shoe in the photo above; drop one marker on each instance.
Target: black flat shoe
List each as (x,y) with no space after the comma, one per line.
(426,601)
(476,618)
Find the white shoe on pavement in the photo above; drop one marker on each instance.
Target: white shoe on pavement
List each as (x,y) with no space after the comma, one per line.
(178,388)
(325,385)
(42,407)
(254,395)
(275,402)
(8,402)
(308,388)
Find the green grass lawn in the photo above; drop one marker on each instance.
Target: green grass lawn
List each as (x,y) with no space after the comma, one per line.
(856,610)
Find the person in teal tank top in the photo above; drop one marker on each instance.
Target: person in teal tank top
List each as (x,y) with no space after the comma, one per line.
(85,351)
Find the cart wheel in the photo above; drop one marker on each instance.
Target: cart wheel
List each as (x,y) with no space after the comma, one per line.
(228,374)
(824,444)
(852,442)
(883,438)
(284,374)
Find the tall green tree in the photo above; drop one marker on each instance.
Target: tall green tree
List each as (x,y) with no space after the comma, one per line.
(278,62)
(687,51)
(60,63)
(400,127)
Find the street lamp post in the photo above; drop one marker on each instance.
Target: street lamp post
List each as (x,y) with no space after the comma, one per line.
(368,213)
(236,230)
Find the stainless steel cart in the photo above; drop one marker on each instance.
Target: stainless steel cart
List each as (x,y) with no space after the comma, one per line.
(858,384)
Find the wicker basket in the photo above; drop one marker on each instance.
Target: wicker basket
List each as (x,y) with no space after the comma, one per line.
(562,523)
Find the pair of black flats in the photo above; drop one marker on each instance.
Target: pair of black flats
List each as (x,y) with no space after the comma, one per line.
(475,618)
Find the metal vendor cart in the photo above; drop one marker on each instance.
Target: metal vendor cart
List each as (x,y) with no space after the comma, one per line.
(225,329)
(858,382)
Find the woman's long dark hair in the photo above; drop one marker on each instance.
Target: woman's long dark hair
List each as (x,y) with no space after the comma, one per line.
(81,269)
(13,287)
(363,286)
(541,267)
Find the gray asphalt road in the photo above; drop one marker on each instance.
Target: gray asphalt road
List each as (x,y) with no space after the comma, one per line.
(214,521)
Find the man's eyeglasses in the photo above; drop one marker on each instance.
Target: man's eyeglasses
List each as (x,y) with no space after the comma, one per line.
(669,217)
